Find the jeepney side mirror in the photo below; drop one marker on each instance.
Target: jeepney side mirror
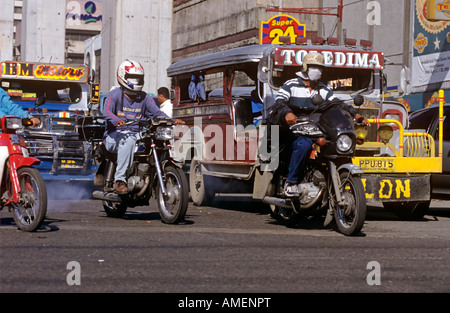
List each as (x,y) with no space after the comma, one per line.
(92,76)
(40,100)
(263,70)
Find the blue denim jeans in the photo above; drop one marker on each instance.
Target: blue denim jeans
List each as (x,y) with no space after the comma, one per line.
(122,143)
(301,148)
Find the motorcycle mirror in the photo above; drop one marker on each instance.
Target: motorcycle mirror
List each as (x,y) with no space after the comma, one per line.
(39,101)
(317,100)
(358,100)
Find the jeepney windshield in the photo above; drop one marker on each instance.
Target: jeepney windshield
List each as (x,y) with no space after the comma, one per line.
(337,79)
(29,90)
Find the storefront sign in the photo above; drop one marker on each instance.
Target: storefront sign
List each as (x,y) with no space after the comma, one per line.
(281,25)
(43,71)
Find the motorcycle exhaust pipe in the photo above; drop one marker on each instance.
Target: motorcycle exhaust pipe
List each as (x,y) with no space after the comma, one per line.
(285,203)
(106,196)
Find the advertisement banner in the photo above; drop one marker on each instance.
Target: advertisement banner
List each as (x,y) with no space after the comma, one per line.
(431,49)
(281,25)
(438,10)
(84,15)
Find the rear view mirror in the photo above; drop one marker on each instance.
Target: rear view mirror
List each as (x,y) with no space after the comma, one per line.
(39,101)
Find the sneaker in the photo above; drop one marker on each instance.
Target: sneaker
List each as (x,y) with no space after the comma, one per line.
(121,188)
(291,190)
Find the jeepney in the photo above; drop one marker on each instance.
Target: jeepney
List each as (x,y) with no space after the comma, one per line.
(224,151)
(65,93)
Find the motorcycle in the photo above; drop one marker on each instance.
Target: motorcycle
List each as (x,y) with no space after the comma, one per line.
(332,185)
(153,173)
(22,187)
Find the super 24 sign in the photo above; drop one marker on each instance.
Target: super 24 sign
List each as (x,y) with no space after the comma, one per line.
(333,58)
(281,25)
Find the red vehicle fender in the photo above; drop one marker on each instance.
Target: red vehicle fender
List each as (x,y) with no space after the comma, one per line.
(17,161)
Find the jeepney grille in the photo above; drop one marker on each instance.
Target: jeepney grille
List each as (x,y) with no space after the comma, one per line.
(46,147)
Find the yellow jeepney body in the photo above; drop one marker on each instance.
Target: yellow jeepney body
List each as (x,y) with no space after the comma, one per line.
(403,172)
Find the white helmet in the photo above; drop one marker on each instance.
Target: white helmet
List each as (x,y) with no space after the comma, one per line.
(130,75)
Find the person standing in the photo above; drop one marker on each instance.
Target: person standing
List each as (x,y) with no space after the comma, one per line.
(164,99)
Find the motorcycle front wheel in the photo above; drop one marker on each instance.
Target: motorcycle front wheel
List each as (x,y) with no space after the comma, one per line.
(350,216)
(31,209)
(173,206)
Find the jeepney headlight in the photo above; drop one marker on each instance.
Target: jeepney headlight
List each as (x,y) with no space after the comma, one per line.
(385,132)
(361,131)
(344,143)
(164,133)
(13,122)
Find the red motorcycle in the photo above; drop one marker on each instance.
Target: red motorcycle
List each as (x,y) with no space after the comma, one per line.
(22,188)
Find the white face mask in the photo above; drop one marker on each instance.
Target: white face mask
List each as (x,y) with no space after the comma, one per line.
(314,73)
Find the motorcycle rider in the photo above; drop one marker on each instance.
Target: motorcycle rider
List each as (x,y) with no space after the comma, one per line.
(293,100)
(127,102)
(7,107)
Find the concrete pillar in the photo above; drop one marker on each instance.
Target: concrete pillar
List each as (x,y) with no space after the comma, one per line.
(43,31)
(6,29)
(137,30)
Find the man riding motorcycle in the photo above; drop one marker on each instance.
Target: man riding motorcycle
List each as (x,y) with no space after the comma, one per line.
(294,100)
(125,103)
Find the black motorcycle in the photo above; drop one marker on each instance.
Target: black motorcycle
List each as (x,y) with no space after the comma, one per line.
(332,185)
(153,173)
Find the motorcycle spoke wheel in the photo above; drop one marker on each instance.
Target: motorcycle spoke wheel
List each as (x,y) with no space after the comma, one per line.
(31,209)
(173,206)
(351,215)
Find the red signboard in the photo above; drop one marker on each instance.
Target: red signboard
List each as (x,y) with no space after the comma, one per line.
(281,25)
(333,58)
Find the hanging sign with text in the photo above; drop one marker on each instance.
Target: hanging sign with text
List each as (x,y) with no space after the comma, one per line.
(280,25)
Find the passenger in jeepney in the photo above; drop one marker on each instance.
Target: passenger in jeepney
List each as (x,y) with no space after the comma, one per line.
(7,107)
(128,102)
(294,100)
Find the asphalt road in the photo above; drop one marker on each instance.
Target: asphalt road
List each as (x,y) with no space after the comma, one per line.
(234,246)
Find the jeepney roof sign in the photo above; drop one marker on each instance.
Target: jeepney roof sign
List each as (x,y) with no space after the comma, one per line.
(343,58)
(43,71)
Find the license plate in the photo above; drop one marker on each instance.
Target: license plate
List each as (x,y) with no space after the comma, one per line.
(378,164)
(70,164)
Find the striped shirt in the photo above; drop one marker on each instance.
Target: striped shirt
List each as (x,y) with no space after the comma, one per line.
(298,95)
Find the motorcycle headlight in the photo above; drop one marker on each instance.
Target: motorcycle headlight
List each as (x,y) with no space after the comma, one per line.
(344,143)
(164,133)
(13,122)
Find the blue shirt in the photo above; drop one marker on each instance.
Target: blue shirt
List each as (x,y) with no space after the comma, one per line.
(120,107)
(7,107)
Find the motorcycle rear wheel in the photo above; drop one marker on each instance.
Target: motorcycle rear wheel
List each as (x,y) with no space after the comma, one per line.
(30,211)
(173,207)
(351,216)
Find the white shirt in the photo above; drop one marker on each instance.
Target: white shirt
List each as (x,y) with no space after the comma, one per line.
(167,108)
